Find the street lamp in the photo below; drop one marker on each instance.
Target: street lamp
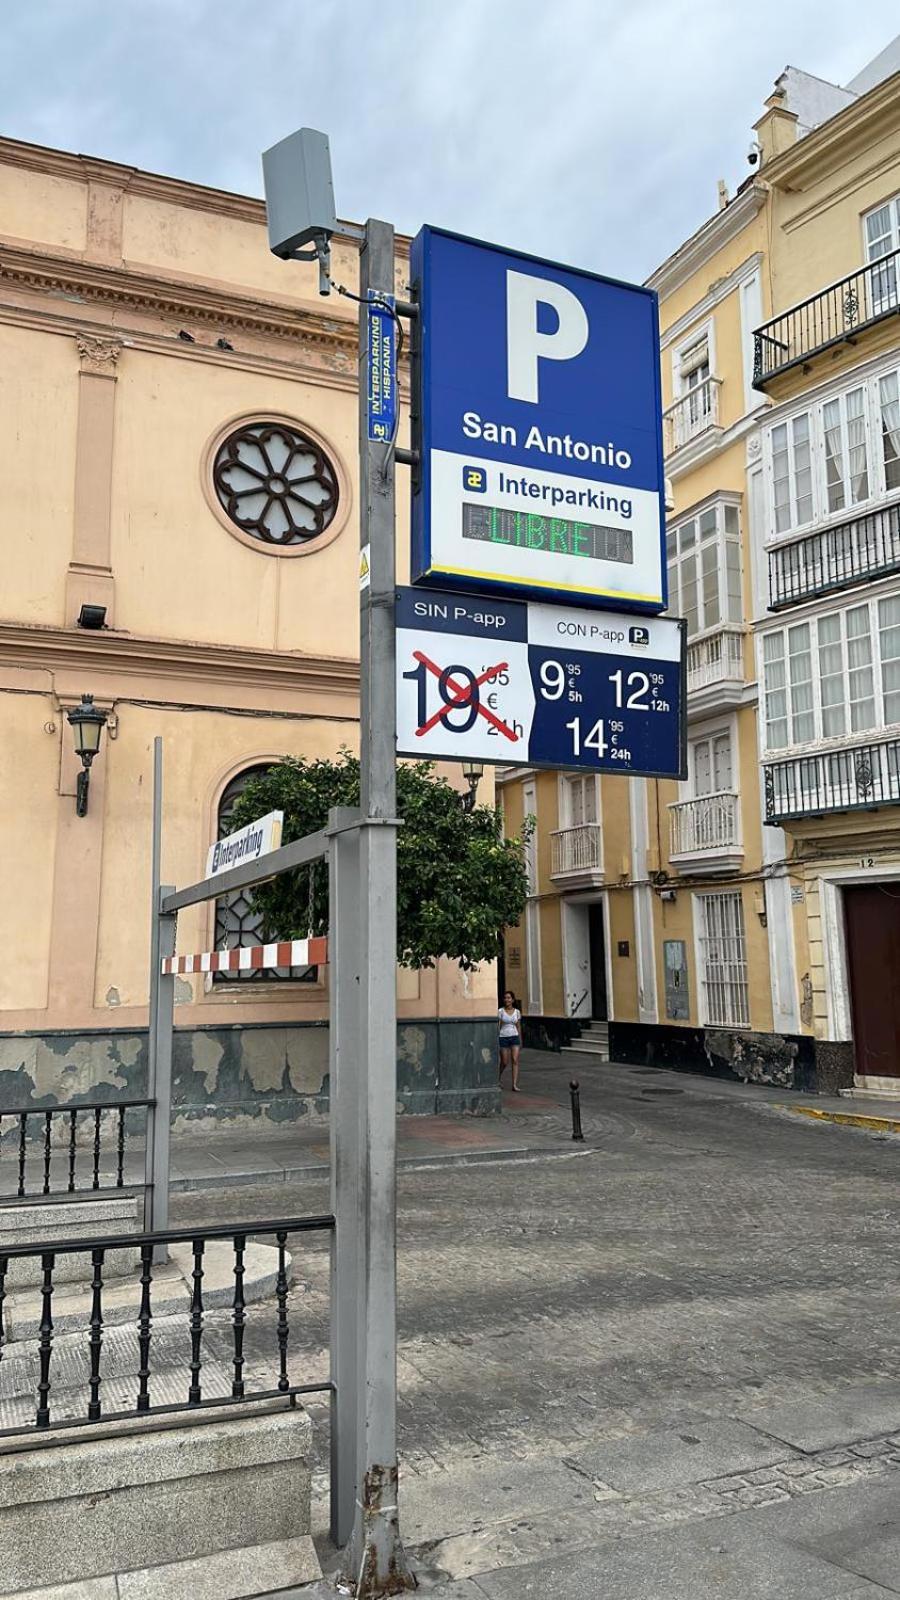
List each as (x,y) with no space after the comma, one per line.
(88,724)
(472,771)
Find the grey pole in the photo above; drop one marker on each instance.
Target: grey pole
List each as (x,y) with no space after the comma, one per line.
(162,1122)
(152,1056)
(159,1032)
(378,1564)
(346,1125)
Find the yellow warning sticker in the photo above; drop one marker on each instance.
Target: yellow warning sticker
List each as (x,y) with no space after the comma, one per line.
(364,567)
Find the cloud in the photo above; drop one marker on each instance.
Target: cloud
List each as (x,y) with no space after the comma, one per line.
(589,132)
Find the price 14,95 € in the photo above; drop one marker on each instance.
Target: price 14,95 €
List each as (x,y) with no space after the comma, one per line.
(537,685)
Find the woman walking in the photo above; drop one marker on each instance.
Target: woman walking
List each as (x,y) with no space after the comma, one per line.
(510,1037)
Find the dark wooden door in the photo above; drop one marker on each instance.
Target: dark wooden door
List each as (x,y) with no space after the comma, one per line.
(598,961)
(873,959)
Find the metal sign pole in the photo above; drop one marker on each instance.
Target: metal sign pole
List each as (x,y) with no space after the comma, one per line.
(159,1031)
(378,1563)
(346,1126)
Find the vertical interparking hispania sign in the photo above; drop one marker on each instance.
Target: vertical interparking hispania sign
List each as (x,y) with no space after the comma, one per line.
(381,368)
(540,437)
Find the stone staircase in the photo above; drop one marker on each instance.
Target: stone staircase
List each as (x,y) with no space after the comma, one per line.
(593,1041)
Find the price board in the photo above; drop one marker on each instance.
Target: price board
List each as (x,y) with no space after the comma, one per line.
(526,684)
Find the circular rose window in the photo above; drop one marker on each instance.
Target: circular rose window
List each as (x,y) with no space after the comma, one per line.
(275,484)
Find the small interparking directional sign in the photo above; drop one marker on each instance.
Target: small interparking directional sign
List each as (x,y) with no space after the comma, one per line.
(527,684)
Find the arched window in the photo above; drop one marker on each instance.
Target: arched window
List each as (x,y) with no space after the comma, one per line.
(237,922)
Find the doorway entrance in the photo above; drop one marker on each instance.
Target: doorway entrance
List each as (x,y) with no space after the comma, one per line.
(872,920)
(584,960)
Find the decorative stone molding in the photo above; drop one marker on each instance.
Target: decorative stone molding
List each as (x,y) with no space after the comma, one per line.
(98,355)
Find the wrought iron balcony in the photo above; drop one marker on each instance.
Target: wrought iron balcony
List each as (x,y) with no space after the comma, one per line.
(715,667)
(867,546)
(691,415)
(578,853)
(705,833)
(853,779)
(836,315)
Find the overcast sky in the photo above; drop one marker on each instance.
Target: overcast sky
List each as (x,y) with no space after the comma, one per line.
(587,131)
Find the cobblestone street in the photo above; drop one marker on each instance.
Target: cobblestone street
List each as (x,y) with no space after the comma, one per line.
(707,1270)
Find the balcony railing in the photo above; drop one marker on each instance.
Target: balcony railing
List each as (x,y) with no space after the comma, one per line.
(711,822)
(719,658)
(691,414)
(853,779)
(578,849)
(867,546)
(833,316)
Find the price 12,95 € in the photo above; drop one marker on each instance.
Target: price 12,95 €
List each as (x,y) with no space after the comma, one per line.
(538,685)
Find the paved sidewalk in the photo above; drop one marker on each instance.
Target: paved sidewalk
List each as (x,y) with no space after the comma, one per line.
(535,1123)
(531,1125)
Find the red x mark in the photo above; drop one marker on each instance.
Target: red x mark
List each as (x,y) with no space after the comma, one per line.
(462,694)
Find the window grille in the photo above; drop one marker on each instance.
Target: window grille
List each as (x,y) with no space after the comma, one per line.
(723,961)
(238,923)
(275,484)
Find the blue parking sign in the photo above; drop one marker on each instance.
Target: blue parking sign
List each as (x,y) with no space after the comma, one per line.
(540,440)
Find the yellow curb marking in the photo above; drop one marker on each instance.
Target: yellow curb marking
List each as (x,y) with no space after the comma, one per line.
(850,1119)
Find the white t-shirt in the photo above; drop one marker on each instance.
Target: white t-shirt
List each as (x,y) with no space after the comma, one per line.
(509,1023)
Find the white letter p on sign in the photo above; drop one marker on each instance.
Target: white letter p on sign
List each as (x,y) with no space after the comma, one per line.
(525,346)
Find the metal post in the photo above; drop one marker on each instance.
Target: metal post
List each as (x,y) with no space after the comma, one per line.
(345,1122)
(156,856)
(575,1093)
(159,1033)
(378,1563)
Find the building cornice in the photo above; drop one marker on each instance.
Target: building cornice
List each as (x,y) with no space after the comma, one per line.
(160,295)
(32,646)
(709,240)
(843,136)
(153,185)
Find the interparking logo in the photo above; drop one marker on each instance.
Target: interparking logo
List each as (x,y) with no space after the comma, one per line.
(475,480)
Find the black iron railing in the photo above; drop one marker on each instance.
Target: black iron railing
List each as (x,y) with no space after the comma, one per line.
(836,780)
(834,316)
(146,1245)
(867,546)
(30,1134)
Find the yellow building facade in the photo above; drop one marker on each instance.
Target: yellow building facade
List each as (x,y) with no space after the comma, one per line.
(180,413)
(708,923)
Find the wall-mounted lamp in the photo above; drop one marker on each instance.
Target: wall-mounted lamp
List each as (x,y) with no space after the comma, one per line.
(92,617)
(472,772)
(88,724)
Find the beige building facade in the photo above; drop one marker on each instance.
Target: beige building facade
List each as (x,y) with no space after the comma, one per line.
(180,412)
(724,923)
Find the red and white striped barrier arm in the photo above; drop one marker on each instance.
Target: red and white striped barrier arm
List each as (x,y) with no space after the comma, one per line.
(250,958)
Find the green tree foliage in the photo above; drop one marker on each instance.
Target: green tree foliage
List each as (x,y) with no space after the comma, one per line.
(459,881)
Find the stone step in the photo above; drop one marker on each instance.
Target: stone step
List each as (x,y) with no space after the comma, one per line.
(39,1222)
(122,1500)
(170,1292)
(589,1049)
(257,1569)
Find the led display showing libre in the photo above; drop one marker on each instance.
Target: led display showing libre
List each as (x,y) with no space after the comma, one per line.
(531,530)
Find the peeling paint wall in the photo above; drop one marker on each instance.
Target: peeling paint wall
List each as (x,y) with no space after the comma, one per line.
(231,1075)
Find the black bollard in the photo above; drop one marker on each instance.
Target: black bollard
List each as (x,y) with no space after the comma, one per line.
(576,1109)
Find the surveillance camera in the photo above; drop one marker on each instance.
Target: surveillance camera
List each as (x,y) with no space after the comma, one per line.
(753,154)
